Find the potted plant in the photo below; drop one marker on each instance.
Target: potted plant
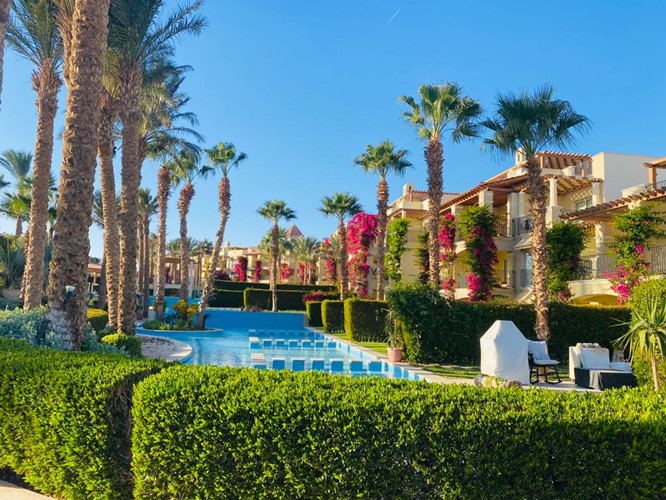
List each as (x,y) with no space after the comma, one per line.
(394,338)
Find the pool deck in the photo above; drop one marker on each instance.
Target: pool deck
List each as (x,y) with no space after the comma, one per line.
(174,350)
(10,491)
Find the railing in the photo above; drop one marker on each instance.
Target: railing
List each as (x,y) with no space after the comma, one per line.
(599,266)
(504,278)
(502,228)
(522,225)
(526,278)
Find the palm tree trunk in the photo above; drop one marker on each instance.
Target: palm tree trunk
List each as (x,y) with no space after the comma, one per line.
(344,272)
(275,257)
(142,258)
(19,226)
(71,245)
(163,191)
(46,83)
(224,191)
(101,294)
(186,195)
(146,266)
(435,160)
(5,6)
(107,183)
(382,208)
(655,373)
(129,198)
(536,191)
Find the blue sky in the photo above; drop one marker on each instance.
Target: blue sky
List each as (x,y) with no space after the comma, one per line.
(302,87)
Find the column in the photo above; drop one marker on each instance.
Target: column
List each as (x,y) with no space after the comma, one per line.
(596,194)
(553,191)
(486,199)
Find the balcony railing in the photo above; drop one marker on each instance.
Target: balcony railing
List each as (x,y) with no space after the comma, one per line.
(599,266)
(522,225)
(526,278)
(504,278)
(646,188)
(502,228)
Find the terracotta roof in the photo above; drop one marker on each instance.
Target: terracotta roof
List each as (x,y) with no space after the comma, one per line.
(602,212)
(294,232)
(415,195)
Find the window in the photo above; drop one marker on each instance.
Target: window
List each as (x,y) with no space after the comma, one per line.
(586,203)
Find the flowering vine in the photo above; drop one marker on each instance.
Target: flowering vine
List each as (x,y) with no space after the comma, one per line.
(286,272)
(478,230)
(330,262)
(360,235)
(301,273)
(241,268)
(447,237)
(257,271)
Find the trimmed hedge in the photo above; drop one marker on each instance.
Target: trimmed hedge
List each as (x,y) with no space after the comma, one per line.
(243,285)
(439,332)
(333,315)
(64,419)
(365,320)
(227,298)
(98,319)
(309,435)
(287,300)
(130,344)
(313,312)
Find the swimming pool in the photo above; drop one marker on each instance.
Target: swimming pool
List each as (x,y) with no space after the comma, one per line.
(277,341)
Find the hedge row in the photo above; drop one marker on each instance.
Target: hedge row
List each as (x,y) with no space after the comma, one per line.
(98,319)
(64,419)
(227,298)
(365,320)
(333,315)
(243,285)
(287,300)
(313,312)
(441,332)
(309,435)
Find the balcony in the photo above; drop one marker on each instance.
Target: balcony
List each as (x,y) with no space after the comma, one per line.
(643,188)
(598,266)
(522,225)
(526,278)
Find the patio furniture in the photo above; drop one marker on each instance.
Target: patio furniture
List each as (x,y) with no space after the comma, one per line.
(504,353)
(590,367)
(540,361)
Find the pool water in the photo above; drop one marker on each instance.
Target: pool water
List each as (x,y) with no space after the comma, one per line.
(247,339)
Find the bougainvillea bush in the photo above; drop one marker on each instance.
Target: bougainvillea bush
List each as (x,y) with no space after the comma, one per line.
(257,272)
(286,272)
(447,238)
(241,268)
(478,230)
(361,233)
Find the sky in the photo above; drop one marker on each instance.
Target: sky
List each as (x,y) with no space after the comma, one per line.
(303,87)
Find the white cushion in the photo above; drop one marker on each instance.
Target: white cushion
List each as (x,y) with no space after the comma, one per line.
(620,365)
(595,359)
(538,349)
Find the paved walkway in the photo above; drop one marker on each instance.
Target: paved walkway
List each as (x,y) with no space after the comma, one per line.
(10,491)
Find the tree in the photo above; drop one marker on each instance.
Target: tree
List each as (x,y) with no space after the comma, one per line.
(33,34)
(396,241)
(306,251)
(71,245)
(531,123)
(5,5)
(147,208)
(17,205)
(442,108)
(224,158)
(275,211)
(382,160)
(564,243)
(342,206)
(185,170)
(141,37)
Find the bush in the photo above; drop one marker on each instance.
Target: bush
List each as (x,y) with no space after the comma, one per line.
(365,320)
(130,344)
(313,312)
(437,331)
(287,300)
(98,319)
(64,419)
(31,326)
(279,435)
(243,285)
(227,298)
(8,304)
(333,315)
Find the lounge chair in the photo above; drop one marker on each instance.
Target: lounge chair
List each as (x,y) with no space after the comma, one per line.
(590,366)
(540,360)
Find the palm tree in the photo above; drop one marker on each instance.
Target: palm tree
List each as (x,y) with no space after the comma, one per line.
(223,157)
(98,220)
(185,170)
(147,208)
(69,263)
(163,192)
(530,123)
(141,37)
(5,5)
(16,205)
(342,206)
(201,249)
(275,211)
(34,35)
(306,250)
(382,160)
(442,108)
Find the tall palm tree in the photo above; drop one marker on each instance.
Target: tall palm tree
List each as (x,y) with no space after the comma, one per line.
(531,123)
(306,251)
(163,192)
(147,208)
(141,37)
(71,245)
(185,170)
(5,5)
(34,35)
(441,108)
(98,220)
(275,211)
(17,164)
(342,206)
(382,160)
(224,158)
(201,249)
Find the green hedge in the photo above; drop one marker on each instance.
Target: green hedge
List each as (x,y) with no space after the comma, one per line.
(243,285)
(365,320)
(64,419)
(309,435)
(98,319)
(333,315)
(439,332)
(313,312)
(288,300)
(129,343)
(227,298)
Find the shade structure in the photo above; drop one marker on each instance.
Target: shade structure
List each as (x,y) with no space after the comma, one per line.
(504,352)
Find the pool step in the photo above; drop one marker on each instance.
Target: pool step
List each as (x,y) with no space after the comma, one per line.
(355,366)
(278,343)
(258,361)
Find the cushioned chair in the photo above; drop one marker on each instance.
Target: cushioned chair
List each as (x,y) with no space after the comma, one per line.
(592,368)
(540,362)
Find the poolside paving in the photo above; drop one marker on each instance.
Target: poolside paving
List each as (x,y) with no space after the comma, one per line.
(10,491)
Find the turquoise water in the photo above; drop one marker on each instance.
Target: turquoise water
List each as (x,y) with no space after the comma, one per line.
(277,341)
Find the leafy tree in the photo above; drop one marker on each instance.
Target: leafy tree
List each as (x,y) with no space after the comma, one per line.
(564,244)
(396,241)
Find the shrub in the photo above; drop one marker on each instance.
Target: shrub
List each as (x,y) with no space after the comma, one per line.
(227,298)
(333,315)
(438,331)
(153,324)
(64,419)
(8,304)
(241,286)
(313,312)
(279,435)
(365,320)
(288,300)
(130,344)
(31,326)
(98,319)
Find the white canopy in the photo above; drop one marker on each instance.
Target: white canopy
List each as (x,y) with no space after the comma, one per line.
(504,353)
